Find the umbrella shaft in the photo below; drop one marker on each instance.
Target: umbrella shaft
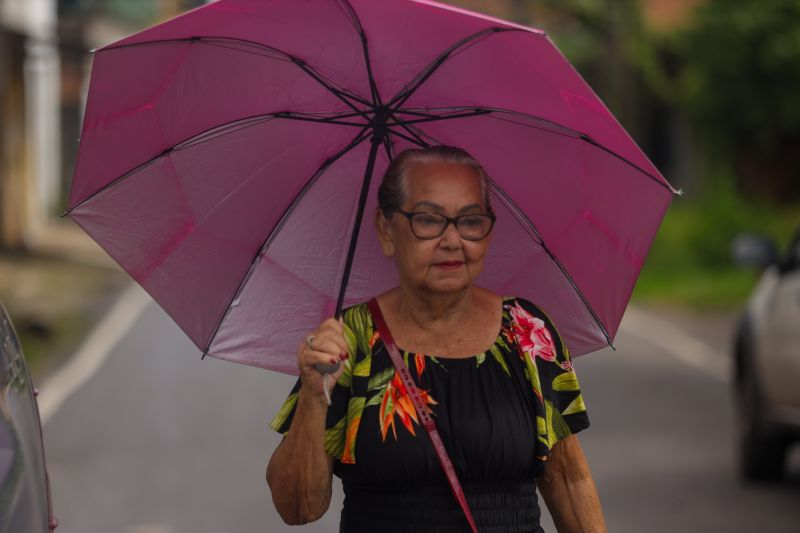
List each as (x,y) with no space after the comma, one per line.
(362,200)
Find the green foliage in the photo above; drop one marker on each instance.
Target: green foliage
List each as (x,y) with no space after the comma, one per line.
(732,71)
(580,28)
(740,73)
(734,74)
(690,262)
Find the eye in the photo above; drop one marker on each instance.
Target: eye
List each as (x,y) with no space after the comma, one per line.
(428,219)
(473,221)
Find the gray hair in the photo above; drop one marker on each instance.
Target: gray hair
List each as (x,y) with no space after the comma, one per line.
(392,191)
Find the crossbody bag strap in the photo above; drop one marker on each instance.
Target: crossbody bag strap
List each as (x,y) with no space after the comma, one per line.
(423,412)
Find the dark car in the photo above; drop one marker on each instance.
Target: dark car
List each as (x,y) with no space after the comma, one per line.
(24,485)
(767,355)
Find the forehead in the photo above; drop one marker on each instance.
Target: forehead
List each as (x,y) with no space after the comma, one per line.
(442,181)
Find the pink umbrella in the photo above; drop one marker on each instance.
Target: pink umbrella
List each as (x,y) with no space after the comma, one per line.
(227,155)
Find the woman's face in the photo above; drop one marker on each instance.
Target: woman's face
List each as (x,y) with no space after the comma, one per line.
(447,263)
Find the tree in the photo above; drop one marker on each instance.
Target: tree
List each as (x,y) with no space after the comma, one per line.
(738,77)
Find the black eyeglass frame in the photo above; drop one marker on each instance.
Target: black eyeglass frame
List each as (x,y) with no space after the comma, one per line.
(454,221)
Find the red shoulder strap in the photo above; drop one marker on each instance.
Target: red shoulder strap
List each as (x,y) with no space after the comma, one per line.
(423,411)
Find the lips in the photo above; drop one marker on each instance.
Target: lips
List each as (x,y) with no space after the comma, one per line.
(449,265)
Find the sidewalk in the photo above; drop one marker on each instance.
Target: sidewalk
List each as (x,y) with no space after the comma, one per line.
(56,292)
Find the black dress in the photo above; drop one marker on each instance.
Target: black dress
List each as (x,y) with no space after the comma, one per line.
(498,413)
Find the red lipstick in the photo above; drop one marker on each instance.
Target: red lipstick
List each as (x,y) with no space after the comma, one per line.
(449,265)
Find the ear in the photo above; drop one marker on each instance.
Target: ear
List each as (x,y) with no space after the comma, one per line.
(384,229)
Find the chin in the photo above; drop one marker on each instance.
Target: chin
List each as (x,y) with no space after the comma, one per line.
(449,285)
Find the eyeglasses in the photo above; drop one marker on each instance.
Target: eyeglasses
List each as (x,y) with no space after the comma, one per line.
(471,227)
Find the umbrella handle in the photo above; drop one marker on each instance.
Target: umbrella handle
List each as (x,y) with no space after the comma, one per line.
(326,370)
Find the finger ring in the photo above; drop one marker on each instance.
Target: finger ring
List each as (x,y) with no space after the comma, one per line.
(309,338)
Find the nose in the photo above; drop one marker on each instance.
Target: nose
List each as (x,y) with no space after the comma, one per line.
(450,239)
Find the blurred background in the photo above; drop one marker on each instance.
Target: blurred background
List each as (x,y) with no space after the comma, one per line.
(709,90)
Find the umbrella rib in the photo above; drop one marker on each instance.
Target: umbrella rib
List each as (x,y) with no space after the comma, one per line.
(584,137)
(577,134)
(496,113)
(413,139)
(296,116)
(414,113)
(363,135)
(336,92)
(208,40)
(437,62)
(188,143)
(624,159)
(523,219)
(118,179)
(387,144)
(423,135)
(373,87)
(554,128)
(209,134)
(338,116)
(476,112)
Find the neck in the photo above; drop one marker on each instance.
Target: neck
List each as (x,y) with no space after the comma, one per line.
(426,309)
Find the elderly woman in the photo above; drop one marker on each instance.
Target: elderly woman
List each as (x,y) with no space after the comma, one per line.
(493,370)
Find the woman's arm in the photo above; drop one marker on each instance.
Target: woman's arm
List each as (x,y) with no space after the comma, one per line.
(299,473)
(568,490)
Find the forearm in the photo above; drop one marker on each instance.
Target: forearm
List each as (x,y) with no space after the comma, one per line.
(299,472)
(569,491)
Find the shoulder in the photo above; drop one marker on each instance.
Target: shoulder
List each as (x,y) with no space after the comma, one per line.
(526,316)
(529,307)
(521,306)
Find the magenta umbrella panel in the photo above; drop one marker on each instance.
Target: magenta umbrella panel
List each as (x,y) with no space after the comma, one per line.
(226,162)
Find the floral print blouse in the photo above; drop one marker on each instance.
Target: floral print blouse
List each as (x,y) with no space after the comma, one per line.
(498,412)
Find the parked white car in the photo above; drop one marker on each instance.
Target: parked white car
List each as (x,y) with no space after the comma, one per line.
(767,358)
(24,486)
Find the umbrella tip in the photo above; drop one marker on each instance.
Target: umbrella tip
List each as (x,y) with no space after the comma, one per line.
(679,192)
(203,356)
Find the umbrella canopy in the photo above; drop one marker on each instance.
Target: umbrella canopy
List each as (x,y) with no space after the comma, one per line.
(226,157)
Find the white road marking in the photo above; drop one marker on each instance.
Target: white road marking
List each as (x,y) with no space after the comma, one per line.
(149,528)
(676,342)
(91,355)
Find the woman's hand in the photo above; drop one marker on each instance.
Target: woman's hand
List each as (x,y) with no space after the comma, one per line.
(568,489)
(326,345)
(300,472)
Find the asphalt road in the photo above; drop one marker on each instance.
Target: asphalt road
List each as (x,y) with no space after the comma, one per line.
(160,442)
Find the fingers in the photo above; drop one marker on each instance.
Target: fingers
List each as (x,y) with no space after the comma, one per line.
(315,367)
(315,357)
(335,347)
(324,346)
(329,338)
